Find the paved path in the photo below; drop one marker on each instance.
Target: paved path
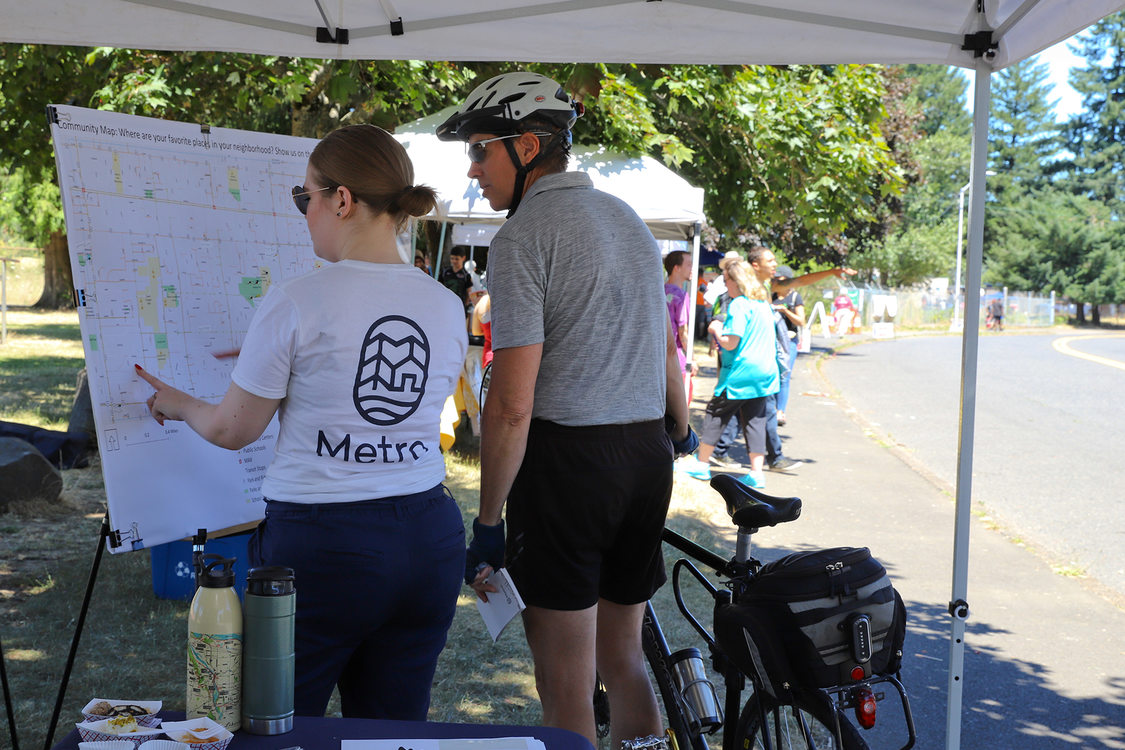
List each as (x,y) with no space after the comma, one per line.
(1045,656)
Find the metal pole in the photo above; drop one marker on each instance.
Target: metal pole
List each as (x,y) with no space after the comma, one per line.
(970,340)
(693,290)
(4,298)
(955,323)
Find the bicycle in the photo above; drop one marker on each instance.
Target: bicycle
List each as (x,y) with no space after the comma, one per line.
(788,715)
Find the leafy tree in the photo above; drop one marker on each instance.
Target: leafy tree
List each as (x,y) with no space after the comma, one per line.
(793,155)
(930,142)
(270,94)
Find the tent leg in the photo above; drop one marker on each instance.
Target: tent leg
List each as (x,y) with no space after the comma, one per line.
(693,289)
(440,248)
(970,339)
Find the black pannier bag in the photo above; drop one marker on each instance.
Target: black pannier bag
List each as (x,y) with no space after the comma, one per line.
(793,620)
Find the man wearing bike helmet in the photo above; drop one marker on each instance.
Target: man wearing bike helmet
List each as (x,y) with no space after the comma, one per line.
(584,372)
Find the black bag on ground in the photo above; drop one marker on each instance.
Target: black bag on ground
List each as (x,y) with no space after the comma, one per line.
(793,620)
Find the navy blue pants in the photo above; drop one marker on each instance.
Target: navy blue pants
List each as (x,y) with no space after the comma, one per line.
(377,584)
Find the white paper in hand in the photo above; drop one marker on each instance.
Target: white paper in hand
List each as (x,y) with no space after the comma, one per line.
(502,605)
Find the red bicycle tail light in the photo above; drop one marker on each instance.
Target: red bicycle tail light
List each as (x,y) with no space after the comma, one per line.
(858,673)
(865,707)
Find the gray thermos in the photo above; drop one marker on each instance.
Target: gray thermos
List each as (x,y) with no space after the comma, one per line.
(268,616)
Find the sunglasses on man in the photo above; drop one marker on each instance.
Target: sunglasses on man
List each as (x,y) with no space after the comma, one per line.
(302,197)
(479,150)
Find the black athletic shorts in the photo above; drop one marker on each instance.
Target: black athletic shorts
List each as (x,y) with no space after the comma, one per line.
(586,512)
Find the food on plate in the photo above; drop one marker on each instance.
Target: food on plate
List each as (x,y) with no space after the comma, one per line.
(198,737)
(101,708)
(121,724)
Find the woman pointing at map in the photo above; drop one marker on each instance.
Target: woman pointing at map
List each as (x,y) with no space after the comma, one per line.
(357,358)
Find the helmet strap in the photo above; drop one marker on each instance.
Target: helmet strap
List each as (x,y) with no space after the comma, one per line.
(522,170)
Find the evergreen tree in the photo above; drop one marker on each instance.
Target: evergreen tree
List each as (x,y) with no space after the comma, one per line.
(1096,135)
(1023,137)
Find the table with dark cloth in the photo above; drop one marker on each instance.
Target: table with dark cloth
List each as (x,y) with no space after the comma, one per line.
(325,733)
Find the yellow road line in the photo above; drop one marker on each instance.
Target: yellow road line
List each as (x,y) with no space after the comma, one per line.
(1062,346)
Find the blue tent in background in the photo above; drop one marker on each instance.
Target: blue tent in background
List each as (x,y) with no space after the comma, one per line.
(709,257)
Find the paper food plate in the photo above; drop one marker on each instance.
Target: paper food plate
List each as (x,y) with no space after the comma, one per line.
(98,731)
(145,720)
(191,732)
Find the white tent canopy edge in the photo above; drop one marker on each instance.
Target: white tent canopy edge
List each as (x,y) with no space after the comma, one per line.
(984,35)
(671,31)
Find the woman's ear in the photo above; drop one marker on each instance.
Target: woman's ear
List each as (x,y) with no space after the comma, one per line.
(345,201)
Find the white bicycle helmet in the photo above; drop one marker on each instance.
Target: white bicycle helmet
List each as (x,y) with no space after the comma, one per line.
(500,104)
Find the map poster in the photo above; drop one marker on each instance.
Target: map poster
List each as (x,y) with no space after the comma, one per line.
(176,232)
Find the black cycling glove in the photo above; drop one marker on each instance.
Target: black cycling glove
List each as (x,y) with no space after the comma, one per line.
(487,548)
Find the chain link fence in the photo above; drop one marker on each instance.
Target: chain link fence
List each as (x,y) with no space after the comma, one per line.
(845,309)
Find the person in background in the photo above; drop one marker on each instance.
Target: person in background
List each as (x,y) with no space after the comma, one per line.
(677,265)
(996,314)
(421,263)
(702,309)
(764,264)
(354,498)
(791,307)
(748,374)
(480,324)
(456,277)
(580,455)
(844,312)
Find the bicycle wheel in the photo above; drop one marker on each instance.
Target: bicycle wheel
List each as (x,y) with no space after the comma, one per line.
(678,723)
(805,722)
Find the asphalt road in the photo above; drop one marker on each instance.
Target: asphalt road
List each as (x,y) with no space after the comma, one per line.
(1048,450)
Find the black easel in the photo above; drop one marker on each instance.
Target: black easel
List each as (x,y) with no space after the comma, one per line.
(8,702)
(103,536)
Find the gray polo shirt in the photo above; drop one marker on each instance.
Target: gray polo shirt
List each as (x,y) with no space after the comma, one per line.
(576,270)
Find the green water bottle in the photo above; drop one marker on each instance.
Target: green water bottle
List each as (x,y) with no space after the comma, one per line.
(269,615)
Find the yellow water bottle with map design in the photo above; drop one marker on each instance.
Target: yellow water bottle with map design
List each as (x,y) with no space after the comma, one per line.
(214,648)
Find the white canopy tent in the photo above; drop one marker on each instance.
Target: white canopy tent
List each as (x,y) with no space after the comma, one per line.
(982,35)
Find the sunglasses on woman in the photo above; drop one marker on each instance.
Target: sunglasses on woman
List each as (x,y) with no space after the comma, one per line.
(302,197)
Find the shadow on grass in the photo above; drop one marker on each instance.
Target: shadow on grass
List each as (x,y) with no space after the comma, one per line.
(50,332)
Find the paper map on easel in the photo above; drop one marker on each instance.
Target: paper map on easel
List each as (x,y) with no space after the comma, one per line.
(175,233)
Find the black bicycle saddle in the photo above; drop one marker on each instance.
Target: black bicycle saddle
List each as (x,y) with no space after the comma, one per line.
(749,507)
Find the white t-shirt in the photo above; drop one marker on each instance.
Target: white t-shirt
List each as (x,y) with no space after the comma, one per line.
(363,356)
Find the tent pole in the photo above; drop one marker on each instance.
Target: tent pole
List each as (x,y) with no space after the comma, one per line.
(970,339)
(440,248)
(693,289)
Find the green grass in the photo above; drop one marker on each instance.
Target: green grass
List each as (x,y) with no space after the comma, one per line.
(133,644)
(39,366)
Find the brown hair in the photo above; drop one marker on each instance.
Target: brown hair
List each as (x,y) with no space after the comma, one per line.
(754,254)
(673,259)
(559,158)
(377,170)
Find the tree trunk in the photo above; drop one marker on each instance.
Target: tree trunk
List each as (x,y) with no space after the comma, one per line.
(1080,313)
(58,283)
(1096,314)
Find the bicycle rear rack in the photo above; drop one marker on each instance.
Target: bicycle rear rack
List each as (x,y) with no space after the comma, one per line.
(841,697)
